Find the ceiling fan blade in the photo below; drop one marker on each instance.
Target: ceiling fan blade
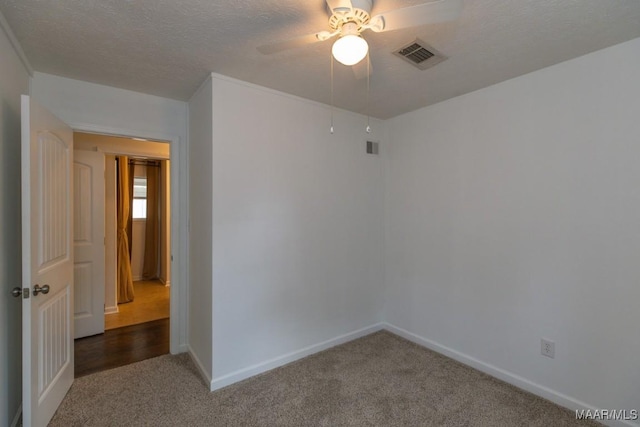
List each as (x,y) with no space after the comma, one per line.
(428,13)
(339,5)
(280,46)
(362,69)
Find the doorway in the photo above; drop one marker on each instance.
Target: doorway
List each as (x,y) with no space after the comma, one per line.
(148,241)
(137,327)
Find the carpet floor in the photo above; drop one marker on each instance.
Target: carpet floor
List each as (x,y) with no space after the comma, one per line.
(377,380)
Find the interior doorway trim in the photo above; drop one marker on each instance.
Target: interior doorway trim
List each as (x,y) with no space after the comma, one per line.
(179,232)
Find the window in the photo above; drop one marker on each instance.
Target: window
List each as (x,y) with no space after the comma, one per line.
(139,198)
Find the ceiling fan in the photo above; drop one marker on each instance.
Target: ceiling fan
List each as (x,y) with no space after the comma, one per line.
(349,18)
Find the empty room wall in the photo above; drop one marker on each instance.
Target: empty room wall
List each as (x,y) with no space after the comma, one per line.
(200,223)
(297,228)
(108,108)
(512,214)
(14,81)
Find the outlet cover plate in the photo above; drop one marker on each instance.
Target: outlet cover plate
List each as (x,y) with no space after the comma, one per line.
(548,348)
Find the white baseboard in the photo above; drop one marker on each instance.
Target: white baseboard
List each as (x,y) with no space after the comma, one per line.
(136,278)
(111,310)
(17,419)
(164,281)
(259,368)
(198,363)
(506,376)
(182,348)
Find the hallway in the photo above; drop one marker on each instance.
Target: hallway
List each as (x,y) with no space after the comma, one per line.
(139,331)
(121,346)
(151,303)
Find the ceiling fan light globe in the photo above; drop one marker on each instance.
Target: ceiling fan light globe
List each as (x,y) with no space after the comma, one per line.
(350,49)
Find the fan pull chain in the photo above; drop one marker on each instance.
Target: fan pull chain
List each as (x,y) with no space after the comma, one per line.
(368,90)
(331,59)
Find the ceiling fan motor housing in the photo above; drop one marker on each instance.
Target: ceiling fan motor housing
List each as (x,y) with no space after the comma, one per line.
(359,14)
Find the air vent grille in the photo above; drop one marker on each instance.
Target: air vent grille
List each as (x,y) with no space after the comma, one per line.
(416,53)
(420,54)
(372,147)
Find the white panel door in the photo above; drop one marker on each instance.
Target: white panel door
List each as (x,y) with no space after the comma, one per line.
(47,263)
(88,243)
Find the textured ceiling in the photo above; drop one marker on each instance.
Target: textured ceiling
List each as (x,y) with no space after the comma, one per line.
(167,47)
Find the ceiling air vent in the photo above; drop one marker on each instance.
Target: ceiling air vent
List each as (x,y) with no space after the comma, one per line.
(420,55)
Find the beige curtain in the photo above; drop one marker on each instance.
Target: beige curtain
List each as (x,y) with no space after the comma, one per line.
(150,265)
(125,278)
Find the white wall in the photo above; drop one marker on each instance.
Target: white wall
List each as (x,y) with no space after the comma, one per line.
(81,103)
(297,227)
(165,223)
(103,109)
(14,81)
(110,225)
(513,214)
(200,247)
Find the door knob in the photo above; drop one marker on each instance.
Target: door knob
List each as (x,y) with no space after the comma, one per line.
(37,289)
(16,292)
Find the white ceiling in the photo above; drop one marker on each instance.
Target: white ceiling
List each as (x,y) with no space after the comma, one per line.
(167,47)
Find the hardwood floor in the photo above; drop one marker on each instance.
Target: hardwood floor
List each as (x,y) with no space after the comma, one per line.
(121,346)
(139,331)
(151,302)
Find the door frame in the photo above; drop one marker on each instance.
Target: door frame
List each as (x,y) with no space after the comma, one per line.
(179,231)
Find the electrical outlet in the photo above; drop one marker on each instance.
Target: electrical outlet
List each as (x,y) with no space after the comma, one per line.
(547,348)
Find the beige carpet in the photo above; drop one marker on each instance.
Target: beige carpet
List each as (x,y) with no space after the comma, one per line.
(378,380)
